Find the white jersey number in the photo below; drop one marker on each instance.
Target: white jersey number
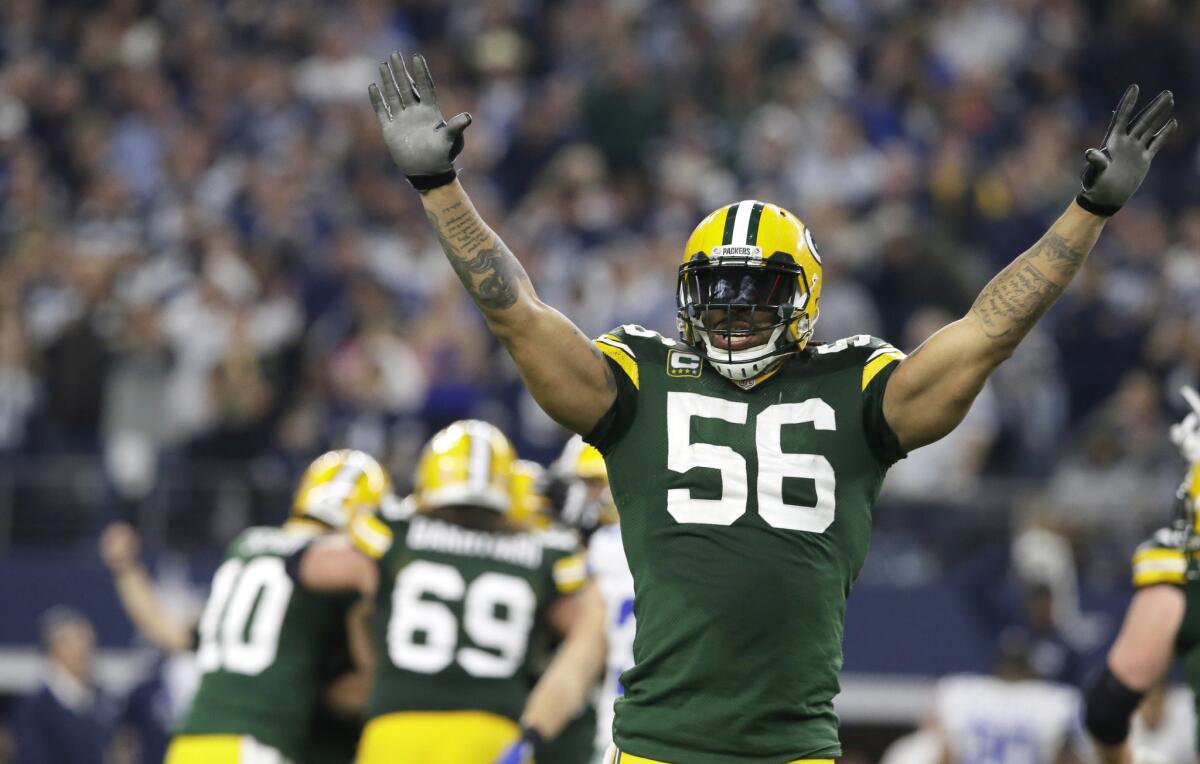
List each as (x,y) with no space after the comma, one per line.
(422,634)
(239,630)
(773,464)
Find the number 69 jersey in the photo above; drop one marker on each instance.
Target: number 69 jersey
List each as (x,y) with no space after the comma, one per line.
(264,642)
(745,516)
(456,611)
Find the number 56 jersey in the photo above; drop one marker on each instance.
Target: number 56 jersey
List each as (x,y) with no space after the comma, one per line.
(745,516)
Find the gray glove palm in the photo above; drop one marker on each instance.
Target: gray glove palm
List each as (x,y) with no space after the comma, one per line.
(422,144)
(1114,172)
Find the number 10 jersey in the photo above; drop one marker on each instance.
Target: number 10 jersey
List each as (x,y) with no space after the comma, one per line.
(267,646)
(745,516)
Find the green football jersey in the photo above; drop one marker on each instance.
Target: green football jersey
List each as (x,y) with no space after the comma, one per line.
(1164,559)
(263,643)
(745,516)
(456,611)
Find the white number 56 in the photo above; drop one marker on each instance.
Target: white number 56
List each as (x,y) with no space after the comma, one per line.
(773,464)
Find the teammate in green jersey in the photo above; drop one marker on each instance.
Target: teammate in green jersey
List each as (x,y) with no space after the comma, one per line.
(744,461)
(1163,618)
(264,638)
(460,592)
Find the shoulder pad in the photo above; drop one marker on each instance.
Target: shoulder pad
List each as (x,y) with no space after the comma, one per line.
(626,343)
(871,353)
(1161,559)
(394,509)
(370,535)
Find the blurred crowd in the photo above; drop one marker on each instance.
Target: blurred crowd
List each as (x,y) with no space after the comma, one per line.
(206,260)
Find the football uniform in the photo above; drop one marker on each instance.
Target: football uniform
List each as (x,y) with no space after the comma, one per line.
(609,569)
(263,641)
(454,616)
(745,517)
(987,720)
(1164,559)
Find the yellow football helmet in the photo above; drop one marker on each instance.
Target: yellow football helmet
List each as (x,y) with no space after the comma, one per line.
(593,505)
(749,256)
(469,463)
(530,506)
(339,485)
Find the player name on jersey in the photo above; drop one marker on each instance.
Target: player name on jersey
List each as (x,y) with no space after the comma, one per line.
(437,536)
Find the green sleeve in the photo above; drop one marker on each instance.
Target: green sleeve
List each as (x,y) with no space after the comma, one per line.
(880,436)
(623,365)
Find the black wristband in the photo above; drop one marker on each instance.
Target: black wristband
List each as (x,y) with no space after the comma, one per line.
(531,736)
(1109,706)
(1103,210)
(429,182)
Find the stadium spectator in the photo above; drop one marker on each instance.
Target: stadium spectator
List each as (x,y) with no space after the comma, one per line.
(68,718)
(155,196)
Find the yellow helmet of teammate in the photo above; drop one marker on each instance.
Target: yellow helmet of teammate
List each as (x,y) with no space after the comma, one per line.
(468,463)
(582,461)
(530,506)
(338,485)
(749,256)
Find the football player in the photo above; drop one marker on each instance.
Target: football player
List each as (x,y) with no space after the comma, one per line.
(460,591)
(744,459)
(265,639)
(1011,715)
(532,507)
(1163,618)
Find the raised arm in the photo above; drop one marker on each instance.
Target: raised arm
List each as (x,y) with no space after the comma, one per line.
(564,687)
(1137,661)
(931,390)
(567,376)
(119,548)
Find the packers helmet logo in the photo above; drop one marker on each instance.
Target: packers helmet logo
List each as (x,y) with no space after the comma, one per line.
(680,364)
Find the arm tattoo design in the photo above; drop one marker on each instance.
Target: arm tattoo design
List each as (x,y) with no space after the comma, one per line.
(1019,295)
(483,264)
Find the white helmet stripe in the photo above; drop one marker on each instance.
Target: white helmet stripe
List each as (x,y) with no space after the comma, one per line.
(741,222)
(479,459)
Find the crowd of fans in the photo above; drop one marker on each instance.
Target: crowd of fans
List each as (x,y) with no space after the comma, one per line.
(209,268)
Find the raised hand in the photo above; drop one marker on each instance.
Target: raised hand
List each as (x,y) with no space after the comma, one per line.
(422,143)
(1114,172)
(119,547)
(1186,434)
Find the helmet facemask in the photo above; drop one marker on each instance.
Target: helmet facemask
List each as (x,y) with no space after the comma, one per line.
(726,300)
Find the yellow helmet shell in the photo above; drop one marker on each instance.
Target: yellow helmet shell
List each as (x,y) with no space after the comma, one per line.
(469,463)
(581,460)
(751,233)
(340,484)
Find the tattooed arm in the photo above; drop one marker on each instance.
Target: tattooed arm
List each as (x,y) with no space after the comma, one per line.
(931,391)
(565,373)
(567,376)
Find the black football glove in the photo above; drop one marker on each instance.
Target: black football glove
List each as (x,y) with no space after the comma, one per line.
(1114,172)
(422,144)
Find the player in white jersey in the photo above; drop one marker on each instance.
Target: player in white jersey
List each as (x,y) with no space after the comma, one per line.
(1008,718)
(608,568)
(1164,727)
